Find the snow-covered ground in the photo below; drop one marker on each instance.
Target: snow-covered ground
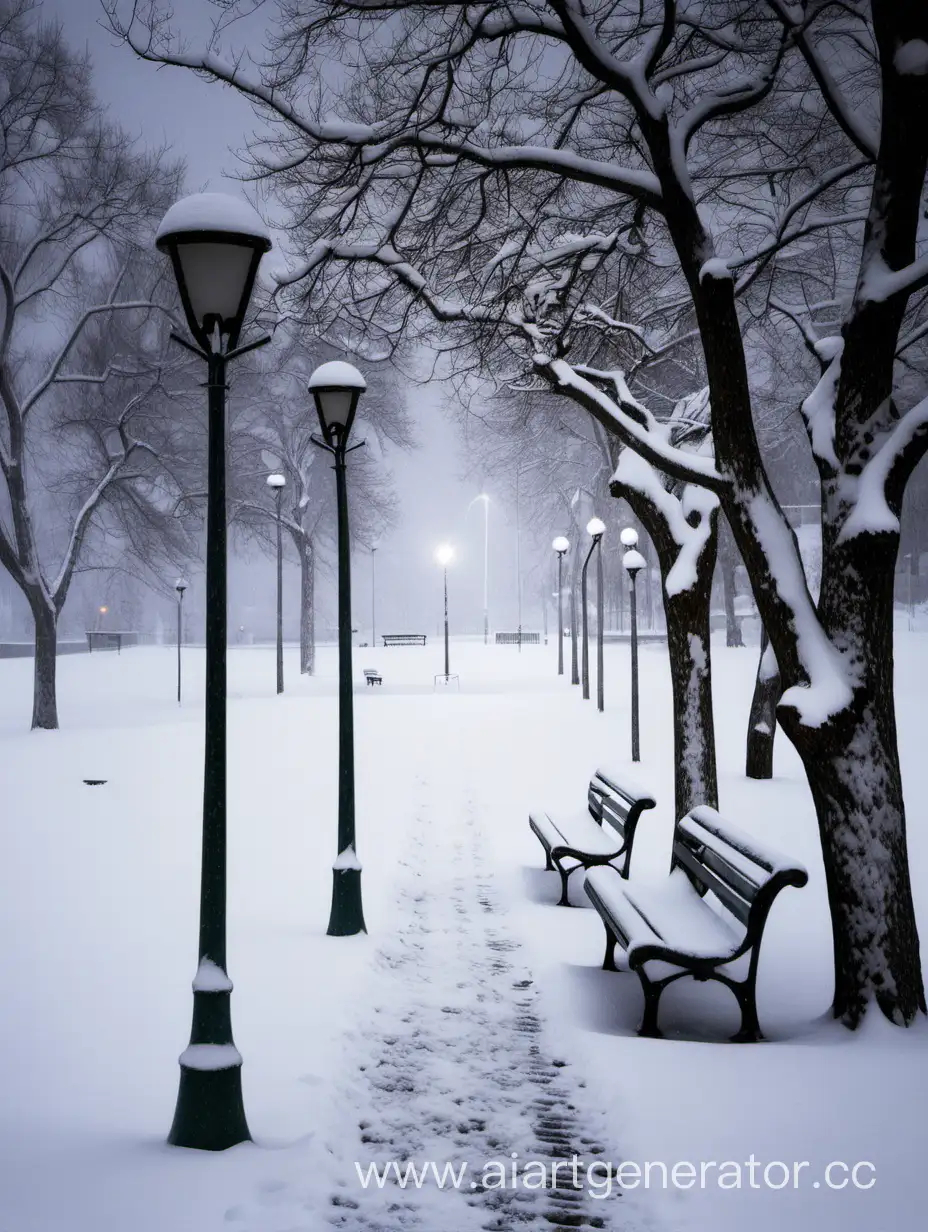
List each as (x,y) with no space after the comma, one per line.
(474,1020)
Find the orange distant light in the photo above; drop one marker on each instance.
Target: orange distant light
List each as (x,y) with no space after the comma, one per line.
(104,610)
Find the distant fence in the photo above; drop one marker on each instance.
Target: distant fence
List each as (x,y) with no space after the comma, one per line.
(26,650)
(515,639)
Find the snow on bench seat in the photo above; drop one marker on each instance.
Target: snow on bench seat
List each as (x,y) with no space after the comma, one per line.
(602,834)
(658,915)
(580,832)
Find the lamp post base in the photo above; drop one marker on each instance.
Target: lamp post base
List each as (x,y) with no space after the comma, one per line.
(347,915)
(210,1114)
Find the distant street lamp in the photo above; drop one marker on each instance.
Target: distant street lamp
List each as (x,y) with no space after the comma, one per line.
(215,243)
(336,387)
(560,545)
(374,547)
(444,556)
(633,562)
(277,483)
(595,528)
(180,586)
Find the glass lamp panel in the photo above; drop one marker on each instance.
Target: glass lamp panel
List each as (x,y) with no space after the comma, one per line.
(215,275)
(336,406)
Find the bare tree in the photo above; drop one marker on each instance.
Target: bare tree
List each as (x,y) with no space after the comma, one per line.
(73,199)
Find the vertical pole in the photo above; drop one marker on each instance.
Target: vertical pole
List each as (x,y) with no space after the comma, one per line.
(486,547)
(347,915)
(584,625)
(633,598)
(519,557)
(210,1114)
(599,628)
(280,601)
(560,614)
(374,596)
(574,670)
(180,604)
(447,667)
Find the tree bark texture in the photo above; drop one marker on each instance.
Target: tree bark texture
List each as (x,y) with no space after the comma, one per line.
(762,722)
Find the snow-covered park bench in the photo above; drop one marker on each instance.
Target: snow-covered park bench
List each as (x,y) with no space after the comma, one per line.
(403,639)
(108,639)
(671,930)
(585,840)
(372,676)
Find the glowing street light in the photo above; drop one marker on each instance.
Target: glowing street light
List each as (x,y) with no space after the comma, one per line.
(444,555)
(595,528)
(633,562)
(561,545)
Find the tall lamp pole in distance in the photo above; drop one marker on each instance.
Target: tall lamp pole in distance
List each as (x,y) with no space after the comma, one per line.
(336,387)
(444,556)
(180,586)
(215,243)
(633,562)
(561,545)
(277,483)
(595,528)
(486,557)
(374,547)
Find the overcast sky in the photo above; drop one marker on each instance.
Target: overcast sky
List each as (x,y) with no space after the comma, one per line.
(205,123)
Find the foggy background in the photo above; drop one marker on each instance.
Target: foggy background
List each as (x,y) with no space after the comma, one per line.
(204,123)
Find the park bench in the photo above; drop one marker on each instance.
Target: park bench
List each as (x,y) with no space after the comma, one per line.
(585,840)
(673,930)
(372,676)
(106,639)
(403,639)
(518,639)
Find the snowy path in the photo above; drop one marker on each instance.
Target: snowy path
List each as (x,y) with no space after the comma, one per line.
(451,1062)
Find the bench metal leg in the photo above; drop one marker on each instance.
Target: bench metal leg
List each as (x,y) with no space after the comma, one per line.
(652,996)
(564,900)
(750,1032)
(549,864)
(611,943)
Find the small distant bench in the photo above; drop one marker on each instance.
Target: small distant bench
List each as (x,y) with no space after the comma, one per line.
(673,925)
(372,676)
(403,639)
(583,839)
(512,639)
(106,639)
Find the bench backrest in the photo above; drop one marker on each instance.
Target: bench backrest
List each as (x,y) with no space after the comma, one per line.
(620,804)
(744,875)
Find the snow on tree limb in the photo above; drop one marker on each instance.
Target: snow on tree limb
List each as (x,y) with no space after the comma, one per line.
(650,441)
(866,492)
(829,686)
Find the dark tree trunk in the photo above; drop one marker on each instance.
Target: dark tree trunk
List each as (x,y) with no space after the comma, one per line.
(686,613)
(307,607)
(44,696)
(852,764)
(762,724)
(727,563)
